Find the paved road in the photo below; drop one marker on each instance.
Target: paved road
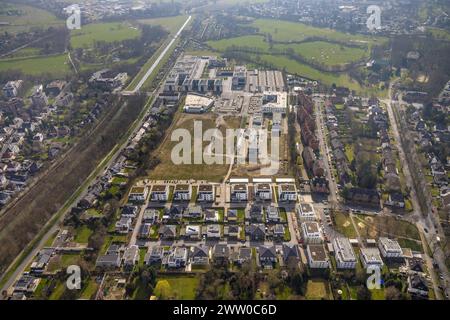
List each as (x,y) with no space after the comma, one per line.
(424,222)
(158,60)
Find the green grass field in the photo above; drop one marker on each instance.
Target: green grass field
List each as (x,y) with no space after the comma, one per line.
(322,52)
(56,65)
(285,31)
(171,24)
(109,32)
(30,17)
(180,287)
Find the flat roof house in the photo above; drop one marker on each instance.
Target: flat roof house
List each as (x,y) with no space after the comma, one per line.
(182,192)
(26,284)
(232,215)
(192,232)
(239,192)
(159,193)
(306,212)
(154,255)
(311,232)
(273,214)
(389,248)
(177,258)
(138,194)
(124,225)
(206,193)
(263,191)
(213,231)
(150,216)
(317,256)
(371,257)
(344,254)
(287,192)
(108,260)
(130,257)
(193,212)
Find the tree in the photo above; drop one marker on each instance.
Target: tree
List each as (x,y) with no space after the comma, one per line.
(363,293)
(392,293)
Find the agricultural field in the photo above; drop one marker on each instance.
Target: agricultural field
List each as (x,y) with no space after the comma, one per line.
(56,65)
(108,32)
(22,18)
(168,170)
(171,24)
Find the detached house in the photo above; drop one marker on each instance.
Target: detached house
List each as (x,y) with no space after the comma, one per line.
(138,194)
(182,192)
(267,256)
(256,232)
(344,254)
(159,193)
(371,257)
(311,232)
(273,214)
(317,256)
(199,255)
(239,192)
(168,232)
(389,248)
(206,193)
(287,192)
(263,191)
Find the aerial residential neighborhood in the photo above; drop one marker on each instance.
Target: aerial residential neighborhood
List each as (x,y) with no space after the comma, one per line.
(214,150)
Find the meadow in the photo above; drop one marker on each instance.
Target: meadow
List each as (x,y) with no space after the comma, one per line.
(171,24)
(28,18)
(56,65)
(322,52)
(108,32)
(285,31)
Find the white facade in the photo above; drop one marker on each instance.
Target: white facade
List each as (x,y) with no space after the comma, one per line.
(344,254)
(159,193)
(311,232)
(371,257)
(317,257)
(306,212)
(389,248)
(138,194)
(182,192)
(287,192)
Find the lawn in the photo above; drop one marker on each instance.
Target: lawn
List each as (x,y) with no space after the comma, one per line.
(171,24)
(285,31)
(386,226)
(61,262)
(89,290)
(83,234)
(344,225)
(317,290)
(56,65)
(317,52)
(108,32)
(180,287)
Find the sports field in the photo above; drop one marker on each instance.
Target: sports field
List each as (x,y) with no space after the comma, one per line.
(109,32)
